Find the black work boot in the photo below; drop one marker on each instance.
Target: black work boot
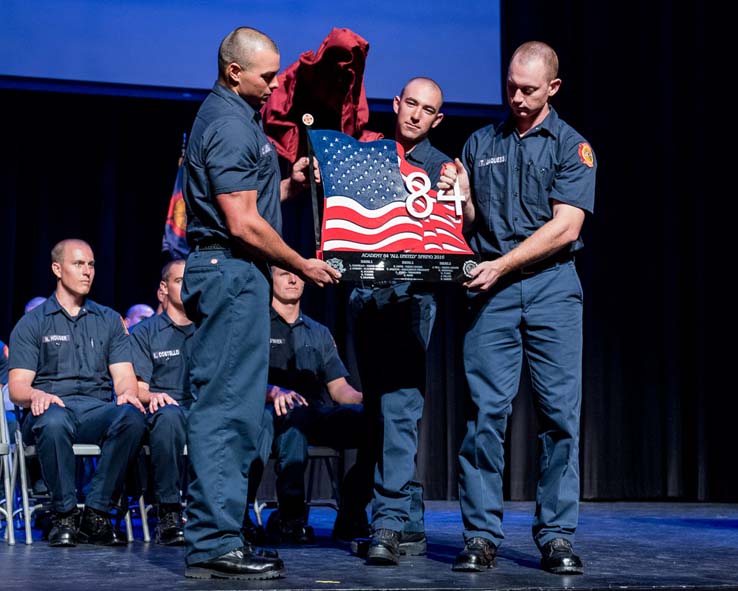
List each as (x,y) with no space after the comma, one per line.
(254,537)
(240,563)
(97,528)
(289,531)
(558,557)
(478,554)
(384,547)
(251,532)
(169,525)
(64,528)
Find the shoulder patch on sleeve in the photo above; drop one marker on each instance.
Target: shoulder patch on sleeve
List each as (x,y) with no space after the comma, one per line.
(586,155)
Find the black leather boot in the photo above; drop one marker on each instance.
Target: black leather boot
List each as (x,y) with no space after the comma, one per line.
(558,557)
(478,554)
(240,563)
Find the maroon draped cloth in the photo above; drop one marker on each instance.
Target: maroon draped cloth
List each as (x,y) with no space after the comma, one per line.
(328,84)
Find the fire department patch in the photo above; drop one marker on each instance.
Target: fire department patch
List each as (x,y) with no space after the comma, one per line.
(586,155)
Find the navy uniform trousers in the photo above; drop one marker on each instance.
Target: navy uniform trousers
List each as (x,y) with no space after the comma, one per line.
(392,331)
(228,300)
(338,426)
(539,316)
(118,430)
(167,438)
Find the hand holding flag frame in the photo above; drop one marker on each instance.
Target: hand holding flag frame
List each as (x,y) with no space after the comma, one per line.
(382,220)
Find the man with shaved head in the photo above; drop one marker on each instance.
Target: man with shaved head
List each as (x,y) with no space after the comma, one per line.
(33,303)
(70,366)
(529,182)
(232,189)
(137,313)
(395,395)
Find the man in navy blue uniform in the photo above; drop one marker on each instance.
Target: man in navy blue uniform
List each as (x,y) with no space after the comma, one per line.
(531,181)
(232,190)
(160,346)
(137,313)
(310,401)
(67,358)
(393,324)
(7,405)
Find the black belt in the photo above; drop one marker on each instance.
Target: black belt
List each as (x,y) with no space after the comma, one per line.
(553,261)
(233,250)
(214,246)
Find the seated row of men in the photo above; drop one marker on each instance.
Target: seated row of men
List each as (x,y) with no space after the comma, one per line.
(84,379)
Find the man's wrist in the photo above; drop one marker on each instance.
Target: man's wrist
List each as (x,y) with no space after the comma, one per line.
(296,186)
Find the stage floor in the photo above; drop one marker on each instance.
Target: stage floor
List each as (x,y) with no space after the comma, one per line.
(623,546)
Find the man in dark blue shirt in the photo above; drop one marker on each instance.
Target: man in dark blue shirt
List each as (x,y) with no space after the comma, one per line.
(160,346)
(310,401)
(529,183)
(7,405)
(67,357)
(392,325)
(137,313)
(232,191)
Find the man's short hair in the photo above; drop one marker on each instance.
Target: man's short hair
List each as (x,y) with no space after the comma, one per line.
(168,267)
(538,50)
(424,79)
(57,253)
(239,44)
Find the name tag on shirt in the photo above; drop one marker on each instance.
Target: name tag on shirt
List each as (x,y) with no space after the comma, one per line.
(493,160)
(55,338)
(165,354)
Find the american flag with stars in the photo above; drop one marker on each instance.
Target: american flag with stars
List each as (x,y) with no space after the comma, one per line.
(365,200)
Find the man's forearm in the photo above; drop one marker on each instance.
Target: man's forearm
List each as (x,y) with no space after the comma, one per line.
(289,188)
(22,395)
(261,239)
(127,386)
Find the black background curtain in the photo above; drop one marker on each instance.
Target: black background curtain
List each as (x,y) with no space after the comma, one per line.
(655,424)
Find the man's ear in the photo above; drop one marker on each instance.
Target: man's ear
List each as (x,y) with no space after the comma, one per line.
(56,269)
(553,86)
(439,117)
(396,104)
(233,72)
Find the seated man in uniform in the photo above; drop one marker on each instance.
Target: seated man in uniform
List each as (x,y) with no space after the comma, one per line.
(34,302)
(67,357)
(8,406)
(160,354)
(137,313)
(303,365)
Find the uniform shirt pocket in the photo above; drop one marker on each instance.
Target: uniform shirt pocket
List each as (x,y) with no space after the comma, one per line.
(538,181)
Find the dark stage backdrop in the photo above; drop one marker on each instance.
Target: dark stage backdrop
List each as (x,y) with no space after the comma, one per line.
(102,168)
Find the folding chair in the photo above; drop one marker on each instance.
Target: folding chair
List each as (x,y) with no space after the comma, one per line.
(6,506)
(22,454)
(327,456)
